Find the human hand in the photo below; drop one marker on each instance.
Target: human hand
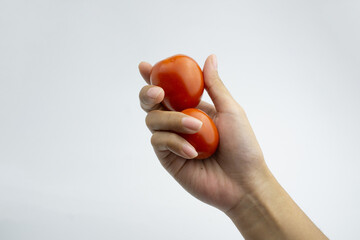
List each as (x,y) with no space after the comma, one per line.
(238,165)
(235,179)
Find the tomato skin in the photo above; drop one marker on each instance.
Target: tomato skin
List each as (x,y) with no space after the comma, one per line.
(182,80)
(206,140)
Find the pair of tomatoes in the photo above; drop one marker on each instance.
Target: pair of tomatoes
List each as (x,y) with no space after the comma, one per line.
(182,80)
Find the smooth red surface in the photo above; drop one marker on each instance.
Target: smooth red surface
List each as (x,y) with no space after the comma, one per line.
(206,140)
(182,80)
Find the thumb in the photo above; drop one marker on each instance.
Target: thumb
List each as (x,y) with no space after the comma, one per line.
(216,89)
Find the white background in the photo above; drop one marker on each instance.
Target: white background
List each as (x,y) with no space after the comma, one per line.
(75,155)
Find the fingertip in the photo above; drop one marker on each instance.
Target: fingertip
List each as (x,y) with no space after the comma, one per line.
(155,93)
(145,70)
(210,62)
(189,151)
(192,125)
(144,64)
(216,89)
(214,62)
(140,64)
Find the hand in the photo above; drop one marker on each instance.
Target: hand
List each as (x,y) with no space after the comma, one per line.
(235,179)
(238,164)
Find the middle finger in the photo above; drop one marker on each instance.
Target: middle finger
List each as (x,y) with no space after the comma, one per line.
(172,121)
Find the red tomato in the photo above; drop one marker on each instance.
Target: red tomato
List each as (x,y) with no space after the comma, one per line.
(206,140)
(182,80)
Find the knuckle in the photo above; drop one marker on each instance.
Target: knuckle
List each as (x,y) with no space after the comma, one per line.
(148,120)
(174,142)
(146,107)
(154,139)
(169,120)
(172,139)
(143,107)
(151,117)
(216,77)
(240,109)
(174,121)
(142,93)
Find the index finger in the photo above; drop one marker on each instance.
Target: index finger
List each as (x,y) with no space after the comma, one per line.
(151,97)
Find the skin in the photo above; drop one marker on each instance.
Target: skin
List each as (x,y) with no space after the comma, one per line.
(235,179)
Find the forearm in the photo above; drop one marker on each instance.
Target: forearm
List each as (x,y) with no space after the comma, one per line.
(268,212)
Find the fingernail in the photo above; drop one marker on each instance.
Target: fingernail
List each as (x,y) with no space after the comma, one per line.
(189,151)
(214,61)
(153,92)
(191,123)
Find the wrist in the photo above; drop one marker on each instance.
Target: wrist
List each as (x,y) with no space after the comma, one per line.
(266,211)
(251,214)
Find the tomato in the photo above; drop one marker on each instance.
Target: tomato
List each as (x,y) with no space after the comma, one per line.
(182,80)
(206,140)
